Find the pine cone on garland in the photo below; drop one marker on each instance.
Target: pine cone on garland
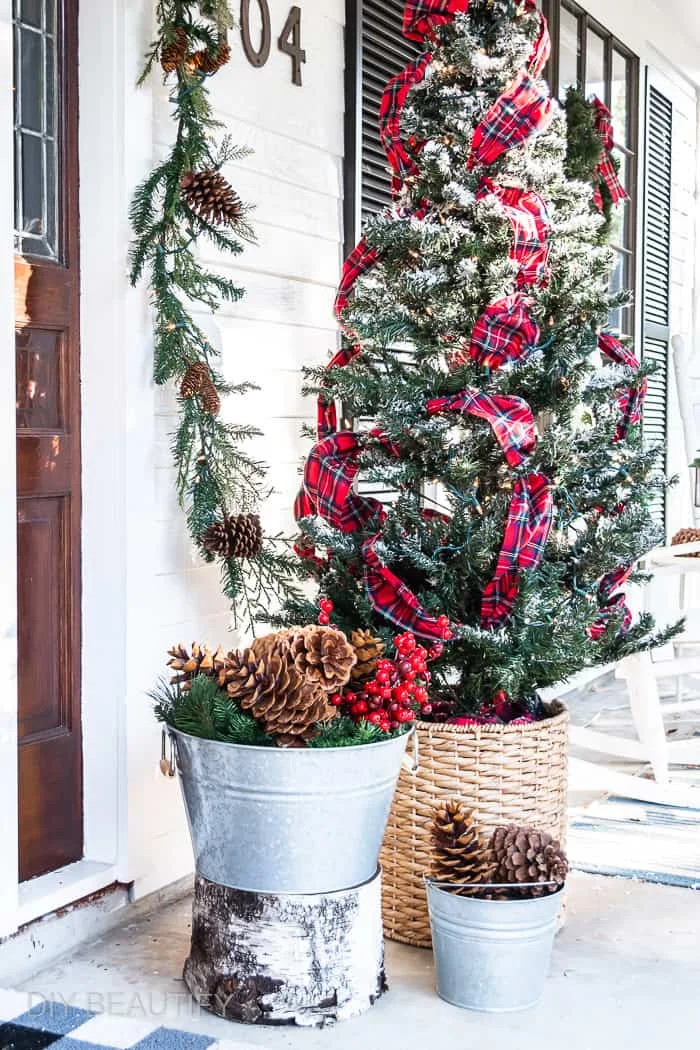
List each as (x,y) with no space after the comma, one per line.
(194,379)
(323,656)
(201,660)
(209,195)
(210,399)
(173,53)
(460,854)
(368,650)
(527,855)
(209,62)
(237,536)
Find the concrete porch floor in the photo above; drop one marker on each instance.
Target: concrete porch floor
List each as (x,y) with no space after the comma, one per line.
(625,973)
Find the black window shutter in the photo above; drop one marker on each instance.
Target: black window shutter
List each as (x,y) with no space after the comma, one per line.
(657,269)
(376,52)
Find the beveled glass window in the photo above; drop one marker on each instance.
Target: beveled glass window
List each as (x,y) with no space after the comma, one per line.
(36,123)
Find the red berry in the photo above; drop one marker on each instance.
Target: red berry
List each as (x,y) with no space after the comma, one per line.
(324,619)
(421,694)
(400,694)
(387,694)
(447,634)
(385,665)
(373,688)
(443,621)
(360,708)
(405,667)
(426,709)
(436,651)
(383,677)
(376,718)
(326,605)
(336,700)
(406,716)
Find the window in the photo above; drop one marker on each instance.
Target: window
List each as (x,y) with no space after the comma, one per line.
(586,56)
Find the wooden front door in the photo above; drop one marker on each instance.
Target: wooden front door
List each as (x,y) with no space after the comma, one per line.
(48,434)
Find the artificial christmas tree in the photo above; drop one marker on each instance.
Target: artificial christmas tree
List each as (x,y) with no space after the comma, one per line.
(504,413)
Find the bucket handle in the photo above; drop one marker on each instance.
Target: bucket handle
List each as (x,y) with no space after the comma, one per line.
(411,763)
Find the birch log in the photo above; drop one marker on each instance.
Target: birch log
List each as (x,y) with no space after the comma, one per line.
(308,960)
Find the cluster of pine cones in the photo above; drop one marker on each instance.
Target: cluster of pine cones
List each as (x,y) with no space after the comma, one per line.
(283,679)
(175,54)
(529,861)
(687,536)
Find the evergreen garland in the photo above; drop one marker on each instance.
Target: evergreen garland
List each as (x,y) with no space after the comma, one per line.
(583,146)
(216,477)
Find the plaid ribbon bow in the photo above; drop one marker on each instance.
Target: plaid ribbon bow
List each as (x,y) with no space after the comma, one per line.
(521,111)
(510,418)
(402,163)
(631,401)
(391,598)
(542,48)
(422,17)
(530,518)
(611,603)
(606,169)
(329,475)
(528,216)
(361,259)
(505,332)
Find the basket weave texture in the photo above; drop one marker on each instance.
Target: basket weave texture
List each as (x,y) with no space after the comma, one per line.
(507,774)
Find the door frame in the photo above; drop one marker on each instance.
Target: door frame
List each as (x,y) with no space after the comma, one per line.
(115,146)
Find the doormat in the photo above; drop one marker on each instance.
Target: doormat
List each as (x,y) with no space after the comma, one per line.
(62,1027)
(637,840)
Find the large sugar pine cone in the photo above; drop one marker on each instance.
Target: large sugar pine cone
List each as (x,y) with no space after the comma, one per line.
(687,536)
(323,656)
(173,53)
(188,664)
(237,536)
(277,694)
(524,855)
(368,650)
(209,195)
(460,854)
(209,62)
(194,379)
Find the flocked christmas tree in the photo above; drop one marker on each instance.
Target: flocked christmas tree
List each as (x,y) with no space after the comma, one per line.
(504,410)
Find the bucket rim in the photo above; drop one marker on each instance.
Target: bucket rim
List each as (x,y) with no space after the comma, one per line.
(439,886)
(301,895)
(405,737)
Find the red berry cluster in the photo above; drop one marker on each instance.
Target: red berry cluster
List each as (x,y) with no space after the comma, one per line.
(398,692)
(326,606)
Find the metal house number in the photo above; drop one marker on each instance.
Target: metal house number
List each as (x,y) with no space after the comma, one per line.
(289,40)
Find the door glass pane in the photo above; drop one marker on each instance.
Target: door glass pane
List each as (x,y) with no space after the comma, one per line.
(595,65)
(569,51)
(36,123)
(38,366)
(620,98)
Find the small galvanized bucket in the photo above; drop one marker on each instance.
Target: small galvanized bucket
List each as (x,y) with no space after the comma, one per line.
(491,956)
(270,820)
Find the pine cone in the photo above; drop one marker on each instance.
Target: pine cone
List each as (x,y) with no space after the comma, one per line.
(265,681)
(209,195)
(527,855)
(368,650)
(237,536)
(209,397)
(323,656)
(194,379)
(687,536)
(460,854)
(201,660)
(173,53)
(209,62)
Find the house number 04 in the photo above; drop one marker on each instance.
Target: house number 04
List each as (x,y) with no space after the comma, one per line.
(289,40)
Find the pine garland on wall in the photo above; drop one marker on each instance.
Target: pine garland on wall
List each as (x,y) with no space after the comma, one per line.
(186,199)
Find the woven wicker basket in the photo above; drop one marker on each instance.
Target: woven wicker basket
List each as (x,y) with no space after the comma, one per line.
(506,774)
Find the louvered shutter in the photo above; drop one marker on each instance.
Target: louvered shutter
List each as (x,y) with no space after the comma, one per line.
(657,268)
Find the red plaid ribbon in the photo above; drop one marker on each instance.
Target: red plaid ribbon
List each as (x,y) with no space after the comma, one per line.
(422,17)
(329,475)
(361,259)
(510,418)
(530,518)
(531,224)
(543,45)
(403,163)
(505,332)
(326,414)
(393,599)
(630,402)
(611,603)
(606,169)
(517,114)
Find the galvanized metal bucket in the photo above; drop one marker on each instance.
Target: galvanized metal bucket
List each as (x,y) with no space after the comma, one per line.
(491,956)
(271,820)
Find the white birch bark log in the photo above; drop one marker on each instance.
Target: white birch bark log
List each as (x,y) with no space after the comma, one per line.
(308,960)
